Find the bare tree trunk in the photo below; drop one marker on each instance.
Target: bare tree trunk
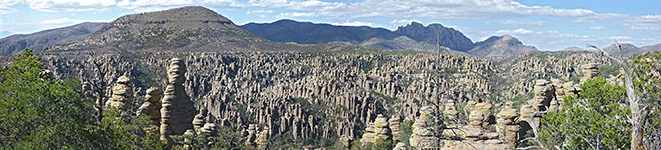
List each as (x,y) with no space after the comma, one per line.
(99,107)
(638,116)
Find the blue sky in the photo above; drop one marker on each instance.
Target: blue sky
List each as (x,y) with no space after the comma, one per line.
(546,24)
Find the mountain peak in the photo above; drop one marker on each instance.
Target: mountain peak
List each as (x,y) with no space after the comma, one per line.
(500,46)
(192,28)
(413,23)
(436,34)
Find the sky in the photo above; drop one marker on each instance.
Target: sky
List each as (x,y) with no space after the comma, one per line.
(545,24)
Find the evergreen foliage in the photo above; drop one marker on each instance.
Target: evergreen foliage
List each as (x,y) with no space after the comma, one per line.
(596,119)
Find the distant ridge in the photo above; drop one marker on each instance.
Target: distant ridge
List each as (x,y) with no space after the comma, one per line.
(192,28)
(40,40)
(500,46)
(425,38)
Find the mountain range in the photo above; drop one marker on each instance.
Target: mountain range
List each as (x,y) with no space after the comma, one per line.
(185,29)
(40,40)
(200,29)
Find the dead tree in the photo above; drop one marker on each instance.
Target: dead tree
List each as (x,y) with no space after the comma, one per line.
(99,85)
(638,114)
(535,131)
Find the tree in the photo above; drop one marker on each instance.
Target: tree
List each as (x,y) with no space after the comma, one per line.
(594,119)
(638,115)
(37,112)
(647,81)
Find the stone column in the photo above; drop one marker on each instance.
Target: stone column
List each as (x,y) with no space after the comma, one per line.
(177,110)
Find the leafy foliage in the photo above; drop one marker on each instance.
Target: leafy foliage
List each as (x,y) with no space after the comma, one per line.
(37,112)
(647,81)
(596,119)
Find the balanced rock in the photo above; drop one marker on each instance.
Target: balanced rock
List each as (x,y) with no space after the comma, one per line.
(177,110)
(423,136)
(590,70)
(122,95)
(394,123)
(152,106)
(377,130)
(508,124)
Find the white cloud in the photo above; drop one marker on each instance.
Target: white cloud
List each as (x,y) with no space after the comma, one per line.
(620,37)
(107,5)
(516,31)
(261,11)
(404,21)
(356,23)
(647,23)
(449,9)
(598,28)
(296,14)
(519,22)
(68,21)
(4,10)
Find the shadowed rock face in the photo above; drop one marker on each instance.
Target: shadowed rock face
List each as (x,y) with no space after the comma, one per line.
(177,111)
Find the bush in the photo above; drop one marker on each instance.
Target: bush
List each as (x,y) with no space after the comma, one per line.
(597,118)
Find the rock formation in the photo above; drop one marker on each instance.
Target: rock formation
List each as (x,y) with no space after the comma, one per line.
(451,111)
(401,146)
(122,96)
(508,124)
(424,130)
(262,140)
(379,129)
(251,136)
(177,110)
(152,107)
(394,123)
(198,121)
(590,70)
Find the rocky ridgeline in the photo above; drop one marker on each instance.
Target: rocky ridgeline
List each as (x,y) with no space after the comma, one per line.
(297,93)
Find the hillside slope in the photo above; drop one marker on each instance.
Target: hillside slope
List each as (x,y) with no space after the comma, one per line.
(41,40)
(182,29)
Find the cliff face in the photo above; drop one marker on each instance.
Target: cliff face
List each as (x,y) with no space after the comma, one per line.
(437,33)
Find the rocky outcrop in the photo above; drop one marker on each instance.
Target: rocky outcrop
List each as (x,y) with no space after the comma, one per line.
(394,123)
(122,96)
(262,140)
(177,110)
(508,124)
(251,135)
(544,96)
(379,129)
(401,146)
(590,70)
(152,107)
(424,130)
